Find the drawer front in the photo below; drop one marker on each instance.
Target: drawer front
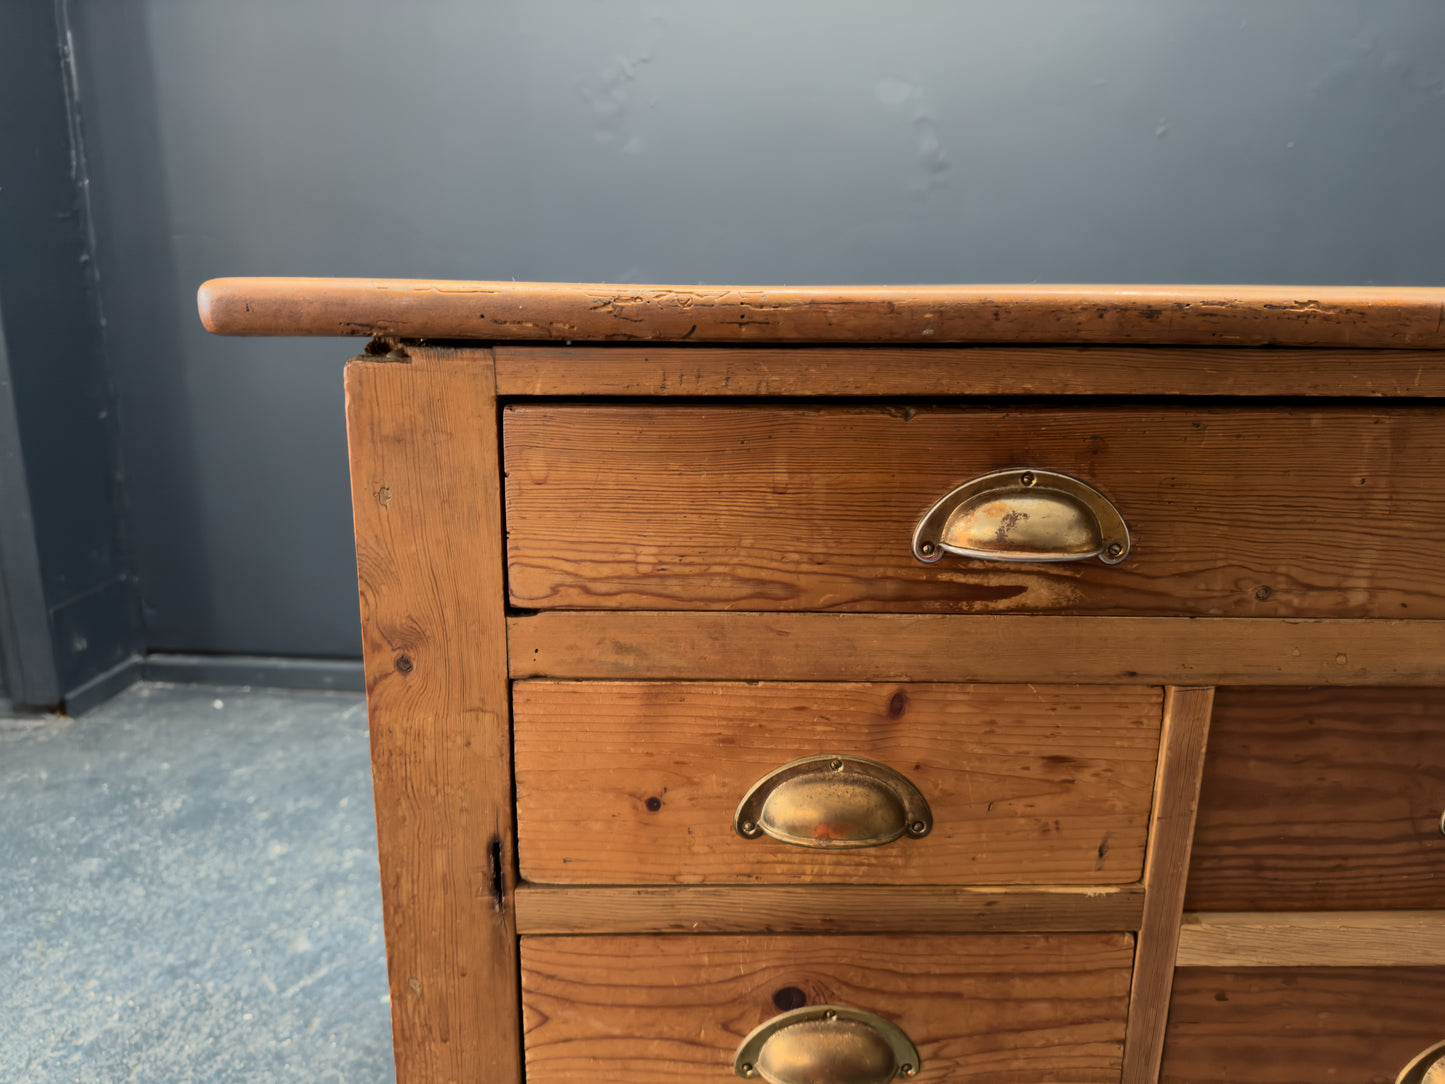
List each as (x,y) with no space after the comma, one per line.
(1322,513)
(987,1009)
(1356,1025)
(1321,799)
(638,782)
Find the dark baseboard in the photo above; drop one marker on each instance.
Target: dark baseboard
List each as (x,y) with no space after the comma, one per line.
(103,686)
(260,671)
(256,671)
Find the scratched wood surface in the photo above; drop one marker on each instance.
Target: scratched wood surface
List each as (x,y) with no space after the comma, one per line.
(1171,827)
(1322,799)
(821,908)
(1291,1025)
(1360,316)
(1330,512)
(621,369)
(427,507)
(637,783)
(956,647)
(989,1009)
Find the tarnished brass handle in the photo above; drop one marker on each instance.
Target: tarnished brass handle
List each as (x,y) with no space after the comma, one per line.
(826,1044)
(1023,515)
(1428,1067)
(833,801)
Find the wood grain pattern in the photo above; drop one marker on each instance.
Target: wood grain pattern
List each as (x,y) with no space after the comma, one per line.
(1171,828)
(826,909)
(1288,1025)
(1330,512)
(425,494)
(989,1009)
(1360,316)
(1322,799)
(1312,939)
(1000,648)
(637,783)
(620,369)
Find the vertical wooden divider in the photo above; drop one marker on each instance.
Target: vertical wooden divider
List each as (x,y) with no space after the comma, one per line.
(1166,867)
(425,487)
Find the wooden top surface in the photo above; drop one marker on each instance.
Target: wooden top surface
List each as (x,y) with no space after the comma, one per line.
(1357,316)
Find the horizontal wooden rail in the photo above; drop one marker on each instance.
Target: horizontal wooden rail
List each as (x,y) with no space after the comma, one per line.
(1360,316)
(975,647)
(1312,939)
(824,909)
(668,370)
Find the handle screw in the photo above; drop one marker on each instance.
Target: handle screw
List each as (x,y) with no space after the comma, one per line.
(1027,478)
(906,1069)
(836,765)
(1115,548)
(749,827)
(927,549)
(746,1068)
(918,828)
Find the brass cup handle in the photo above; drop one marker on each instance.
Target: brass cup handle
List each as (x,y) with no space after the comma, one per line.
(1428,1067)
(1023,515)
(833,801)
(826,1044)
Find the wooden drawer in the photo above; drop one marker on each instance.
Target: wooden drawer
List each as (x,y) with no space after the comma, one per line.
(637,783)
(1316,799)
(1010,1009)
(1356,1025)
(1242,512)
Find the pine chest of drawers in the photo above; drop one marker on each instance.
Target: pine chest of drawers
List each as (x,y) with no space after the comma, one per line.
(953,684)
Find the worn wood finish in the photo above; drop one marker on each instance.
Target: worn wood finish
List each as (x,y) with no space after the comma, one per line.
(1332,512)
(1171,828)
(1322,799)
(1312,938)
(1288,1025)
(999,648)
(988,1009)
(826,908)
(1296,547)
(622,370)
(1359,316)
(425,495)
(637,783)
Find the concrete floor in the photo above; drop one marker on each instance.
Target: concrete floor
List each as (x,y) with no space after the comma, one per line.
(188,892)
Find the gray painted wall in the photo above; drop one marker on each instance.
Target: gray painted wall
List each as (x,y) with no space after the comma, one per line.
(1298,141)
